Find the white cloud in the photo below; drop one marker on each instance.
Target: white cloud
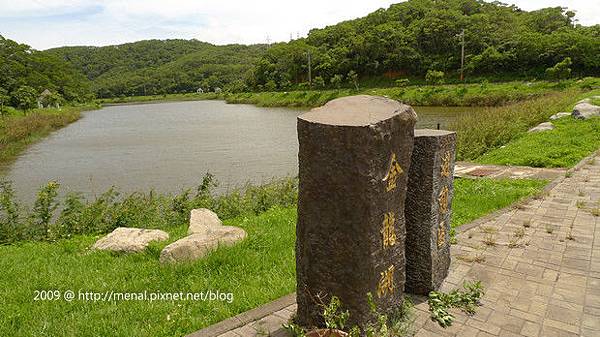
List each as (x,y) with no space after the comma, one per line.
(50,23)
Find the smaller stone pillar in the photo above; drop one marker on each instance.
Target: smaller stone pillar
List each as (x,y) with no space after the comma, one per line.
(353,162)
(428,210)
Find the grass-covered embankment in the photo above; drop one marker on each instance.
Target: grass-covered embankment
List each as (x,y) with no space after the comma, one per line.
(482,94)
(256,271)
(565,146)
(479,94)
(494,127)
(18,130)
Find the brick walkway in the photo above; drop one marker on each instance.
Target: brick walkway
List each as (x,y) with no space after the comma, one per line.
(539,263)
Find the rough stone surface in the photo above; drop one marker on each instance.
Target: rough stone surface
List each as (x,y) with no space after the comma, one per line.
(559,115)
(130,240)
(196,246)
(547,126)
(350,187)
(202,218)
(428,211)
(586,110)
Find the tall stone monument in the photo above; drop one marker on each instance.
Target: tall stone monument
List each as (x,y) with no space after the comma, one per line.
(428,210)
(353,162)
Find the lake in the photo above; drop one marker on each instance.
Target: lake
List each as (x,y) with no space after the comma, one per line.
(170,146)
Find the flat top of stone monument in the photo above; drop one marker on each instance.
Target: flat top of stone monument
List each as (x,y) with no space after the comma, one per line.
(431,132)
(358,111)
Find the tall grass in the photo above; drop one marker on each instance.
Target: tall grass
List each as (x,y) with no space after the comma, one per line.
(494,127)
(51,219)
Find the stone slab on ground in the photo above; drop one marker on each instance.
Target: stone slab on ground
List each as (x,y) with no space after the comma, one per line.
(546,126)
(559,115)
(196,246)
(130,240)
(541,278)
(474,170)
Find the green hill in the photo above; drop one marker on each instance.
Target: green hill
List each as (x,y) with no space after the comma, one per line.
(411,38)
(162,66)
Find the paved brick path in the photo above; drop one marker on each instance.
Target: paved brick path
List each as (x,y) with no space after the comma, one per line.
(539,263)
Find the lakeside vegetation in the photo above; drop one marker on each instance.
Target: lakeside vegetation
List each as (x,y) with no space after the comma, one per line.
(258,270)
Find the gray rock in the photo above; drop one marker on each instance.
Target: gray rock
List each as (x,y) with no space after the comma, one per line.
(202,218)
(586,110)
(428,210)
(354,157)
(196,246)
(542,127)
(130,240)
(559,115)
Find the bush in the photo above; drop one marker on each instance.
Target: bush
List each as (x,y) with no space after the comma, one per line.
(434,77)
(143,210)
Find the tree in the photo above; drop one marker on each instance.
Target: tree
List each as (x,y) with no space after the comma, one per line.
(336,81)
(434,76)
(54,99)
(25,98)
(353,78)
(319,82)
(3,99)
(561,70)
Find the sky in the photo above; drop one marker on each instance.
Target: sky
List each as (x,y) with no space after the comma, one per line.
(45,24)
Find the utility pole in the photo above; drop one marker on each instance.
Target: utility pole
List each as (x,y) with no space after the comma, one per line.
(462,55)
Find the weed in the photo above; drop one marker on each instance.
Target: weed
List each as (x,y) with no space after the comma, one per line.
(580,204)
(526,223)
(466,300)
(549,228)
(570,236)
(489,230)
(519,233)
(489,240)
(514,243)
(595,211)
(581,193)
(479,258)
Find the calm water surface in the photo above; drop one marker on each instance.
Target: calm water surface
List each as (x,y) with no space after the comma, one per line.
(170,146)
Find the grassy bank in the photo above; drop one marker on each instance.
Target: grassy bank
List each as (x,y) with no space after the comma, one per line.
(157,98)
(18,130)
(480,94)
(565,146)
(258,270)
(492,128)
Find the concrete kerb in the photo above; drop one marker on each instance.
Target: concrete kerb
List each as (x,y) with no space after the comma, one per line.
(246,317)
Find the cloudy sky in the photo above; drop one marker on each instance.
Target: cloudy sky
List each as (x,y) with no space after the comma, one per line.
(51,23)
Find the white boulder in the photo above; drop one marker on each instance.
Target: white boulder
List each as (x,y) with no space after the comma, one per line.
(130,240)
(197,245)
(202,218)
(559,115)
(585,110)
(542,127)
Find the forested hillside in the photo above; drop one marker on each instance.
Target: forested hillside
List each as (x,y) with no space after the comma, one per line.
(160,67)
(416,40)
(414,37)
(25,73)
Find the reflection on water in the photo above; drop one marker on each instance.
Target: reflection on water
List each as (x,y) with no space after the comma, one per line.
(170,146)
